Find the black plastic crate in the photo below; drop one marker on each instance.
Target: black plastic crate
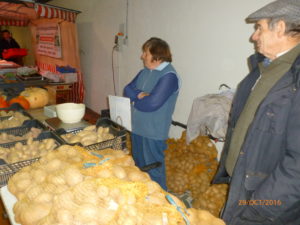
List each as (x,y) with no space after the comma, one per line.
(117,143)
(13,107)
(2,118)
(50,134)
(25,128)
(42,136)
(11,90)
(9,169)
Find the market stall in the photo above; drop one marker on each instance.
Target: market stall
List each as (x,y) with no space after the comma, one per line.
(71,172)
(54,44)
(106,186)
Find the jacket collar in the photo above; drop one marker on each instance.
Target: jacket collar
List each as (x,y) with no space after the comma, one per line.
(162,66)
(287,57)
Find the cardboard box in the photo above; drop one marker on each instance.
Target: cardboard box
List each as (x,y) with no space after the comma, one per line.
(50,111)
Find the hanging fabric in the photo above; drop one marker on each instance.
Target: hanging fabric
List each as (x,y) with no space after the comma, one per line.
(18,23)
(46,11)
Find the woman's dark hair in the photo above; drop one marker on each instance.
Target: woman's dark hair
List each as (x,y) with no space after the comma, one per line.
(159,49)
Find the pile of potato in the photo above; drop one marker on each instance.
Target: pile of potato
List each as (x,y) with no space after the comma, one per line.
(190,167)
(89,135)
(30,150)
(15,120)
(128,143)
(4,113)
(72,186)
(213,199)
(6,138)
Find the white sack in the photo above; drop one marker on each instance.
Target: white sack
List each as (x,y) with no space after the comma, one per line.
(210,111)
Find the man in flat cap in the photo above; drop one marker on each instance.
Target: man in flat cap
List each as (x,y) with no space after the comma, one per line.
(261,155)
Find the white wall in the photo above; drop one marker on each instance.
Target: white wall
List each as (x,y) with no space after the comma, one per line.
(209,41)
(97,25)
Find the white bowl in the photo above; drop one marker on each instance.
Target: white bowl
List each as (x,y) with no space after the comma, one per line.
(70,112)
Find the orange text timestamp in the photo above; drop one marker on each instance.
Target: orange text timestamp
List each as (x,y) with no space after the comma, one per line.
(260,202)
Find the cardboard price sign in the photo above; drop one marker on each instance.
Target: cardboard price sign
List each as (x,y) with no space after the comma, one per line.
(49,40)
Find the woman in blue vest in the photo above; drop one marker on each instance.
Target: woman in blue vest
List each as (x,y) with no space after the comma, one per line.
(153,93)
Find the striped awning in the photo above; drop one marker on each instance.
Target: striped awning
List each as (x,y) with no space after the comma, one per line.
(12,14)
(19,23)
(47,11)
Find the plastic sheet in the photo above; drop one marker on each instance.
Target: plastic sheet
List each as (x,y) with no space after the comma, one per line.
(209,114)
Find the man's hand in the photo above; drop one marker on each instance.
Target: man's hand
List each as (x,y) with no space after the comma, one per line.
(142,95)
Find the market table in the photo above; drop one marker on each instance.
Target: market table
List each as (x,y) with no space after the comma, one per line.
(7,198)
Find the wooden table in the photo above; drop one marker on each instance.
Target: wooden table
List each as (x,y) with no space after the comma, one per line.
(91,116)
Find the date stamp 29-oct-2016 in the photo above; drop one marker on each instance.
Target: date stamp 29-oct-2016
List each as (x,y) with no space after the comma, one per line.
(264,202)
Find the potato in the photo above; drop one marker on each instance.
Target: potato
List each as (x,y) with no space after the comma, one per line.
(74,139)
(190,167)
(90,128)
(59,190)
(90,137)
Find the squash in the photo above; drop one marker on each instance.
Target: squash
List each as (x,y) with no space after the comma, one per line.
(37,97)
(21,100)
(3,102)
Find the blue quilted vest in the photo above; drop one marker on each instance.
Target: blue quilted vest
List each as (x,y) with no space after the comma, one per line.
(154,125)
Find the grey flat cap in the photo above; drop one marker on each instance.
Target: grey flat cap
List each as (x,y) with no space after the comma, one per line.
(285,9)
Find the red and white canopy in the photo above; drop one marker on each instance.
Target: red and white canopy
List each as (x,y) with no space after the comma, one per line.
(47,11)
(12,14)
(19,23)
